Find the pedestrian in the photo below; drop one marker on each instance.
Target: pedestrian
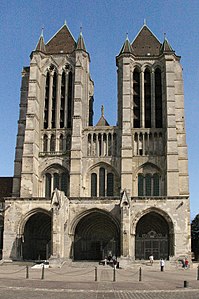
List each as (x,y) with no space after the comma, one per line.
(162,263)
(151,259)
(186,263)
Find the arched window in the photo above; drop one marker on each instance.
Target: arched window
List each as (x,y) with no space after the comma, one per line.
(140,185)
(110,184)
(158,98)
(136,99)
(93,184)
(62,104)
(148,185)
(56,177)
(54,101)
(147,98)
(48,185)
(46,103)
(156,187)
(45,143)
(69,102)
(102,182)
(52,143)
(56,181)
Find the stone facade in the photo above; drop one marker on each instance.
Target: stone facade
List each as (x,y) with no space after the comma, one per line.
(84,192)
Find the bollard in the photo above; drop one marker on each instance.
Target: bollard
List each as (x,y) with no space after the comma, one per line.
(95,273)
(42,272)
(140,274)
(114,274)
(198,273)
(186,284)
(27,272)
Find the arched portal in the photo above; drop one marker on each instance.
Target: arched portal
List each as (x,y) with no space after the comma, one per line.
(37,237)
(96,236)
(152,237)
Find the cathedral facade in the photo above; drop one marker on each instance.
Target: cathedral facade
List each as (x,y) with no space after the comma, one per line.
(83,191)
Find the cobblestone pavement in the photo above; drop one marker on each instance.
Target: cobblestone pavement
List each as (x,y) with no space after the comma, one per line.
(78,281)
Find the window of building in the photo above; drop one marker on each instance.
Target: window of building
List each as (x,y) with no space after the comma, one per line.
(56,178)
(54,101)
(147,98)
(93,184)
(158,98)
(149,184)
(69,102)
(110,184)
(103,182)
(46,103)
(62,104)
(136,99)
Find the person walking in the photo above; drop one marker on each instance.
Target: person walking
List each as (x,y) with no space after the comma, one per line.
(151,259)
(162,263)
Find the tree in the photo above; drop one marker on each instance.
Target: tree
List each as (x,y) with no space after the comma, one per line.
(195,237)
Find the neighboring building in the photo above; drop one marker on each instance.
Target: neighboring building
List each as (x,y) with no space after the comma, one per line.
(83,192)
(5,191)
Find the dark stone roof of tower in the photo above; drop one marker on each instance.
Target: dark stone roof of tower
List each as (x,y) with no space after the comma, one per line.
(41,45)
(166,47)
(61,42)
(126,48)
(146,43)
(80,43)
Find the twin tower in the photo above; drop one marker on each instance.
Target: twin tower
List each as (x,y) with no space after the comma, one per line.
(84,191)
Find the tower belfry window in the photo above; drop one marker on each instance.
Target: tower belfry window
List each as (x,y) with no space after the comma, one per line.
(158,99)
(147,98)
(136,99)
(62,104)
(46,104)
(54,101)
(69,102)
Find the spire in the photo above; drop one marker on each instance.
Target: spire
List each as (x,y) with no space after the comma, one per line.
(126,48)
(80,42)
(166,47)
(41,45)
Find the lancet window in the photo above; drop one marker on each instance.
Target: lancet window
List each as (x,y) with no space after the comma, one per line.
(58,99)
(148,184)
(102,183)
(56,178)
(147,98)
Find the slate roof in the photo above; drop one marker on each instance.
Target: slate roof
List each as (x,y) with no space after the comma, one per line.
(146,43)
(126,48)
(80,43)
(61,42)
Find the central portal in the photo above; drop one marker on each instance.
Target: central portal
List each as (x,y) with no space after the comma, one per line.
(96,237)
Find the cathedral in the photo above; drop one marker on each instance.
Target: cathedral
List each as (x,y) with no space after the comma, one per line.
(84,191)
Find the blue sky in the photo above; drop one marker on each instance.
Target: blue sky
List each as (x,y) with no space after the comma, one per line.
(105,24)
